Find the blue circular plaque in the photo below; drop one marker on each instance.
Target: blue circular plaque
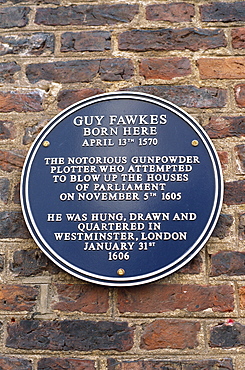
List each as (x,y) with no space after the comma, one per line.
(121,189)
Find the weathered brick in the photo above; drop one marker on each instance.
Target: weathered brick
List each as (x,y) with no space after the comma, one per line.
(241,226)
(229,263)
(1,262)
(221,68)
(224,159)
(14,17)
(31,132)
(174,12)
(222,228)
(205,364)
(228,335)
(240,95)
(191,298)
(186,95)
(171,39)
(238,38)
(71,71)
(87,15)
(82,298)
(192,267)
(221,127)
(164,68)
(16,195)
(14,363)
(27,44)
(7,71)
(32,262)
(167,333)
(240,157)
(85,41)
(234,192)
(7,130)
(68,97)
(223,12)
(242,297)
(117,69)
(77,335)
(10,161)
(17,297)
(33,1)
(65,364)
(4,190)
(12,225)
(21,101)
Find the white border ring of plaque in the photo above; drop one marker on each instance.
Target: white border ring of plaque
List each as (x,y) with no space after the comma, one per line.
(122,189)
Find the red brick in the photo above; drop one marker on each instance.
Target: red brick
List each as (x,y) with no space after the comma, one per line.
(191,298)
(224,159)
(13,363)
(221,127)
(20,101)
(68,97)
(240,95)
(240,157)
(17,297)
(87,15)
(7,130)
(175,12)
(223,12)
(15,16)
(164,68)
(230,263)
(174,334)
(10,161)
(171,39)
(238,38)
(70,335)
(85,41)
(65,364)
(234,192)
(82,298)
(192,267)
(222,68)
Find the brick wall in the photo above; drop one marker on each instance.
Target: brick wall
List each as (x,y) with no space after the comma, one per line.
(54,53)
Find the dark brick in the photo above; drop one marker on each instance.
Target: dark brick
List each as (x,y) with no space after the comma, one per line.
(175,12)
(7,130)
(16,195)
(65,364)
(191,298)
(227,335)
(82,298)
(117,69)
(192,267)
(171,39)
(164,68)
(71,71)
(14,17)
(32,262)
(4,189)
(20,101)
(86,41)
(13,363)
(238,38)
(33,1)
(222,228)
(78,335)
(205,364)
(32,131)
(87,15)
(187,96)
(12,225)
(166,333)
(221,127)
(27,44)
(234,192)
(1,262)
(228,263)
(68,97)
(240,156)
(240,95)
(241,226)
(10,161)
(7,71)
(223,12)
(17,297)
